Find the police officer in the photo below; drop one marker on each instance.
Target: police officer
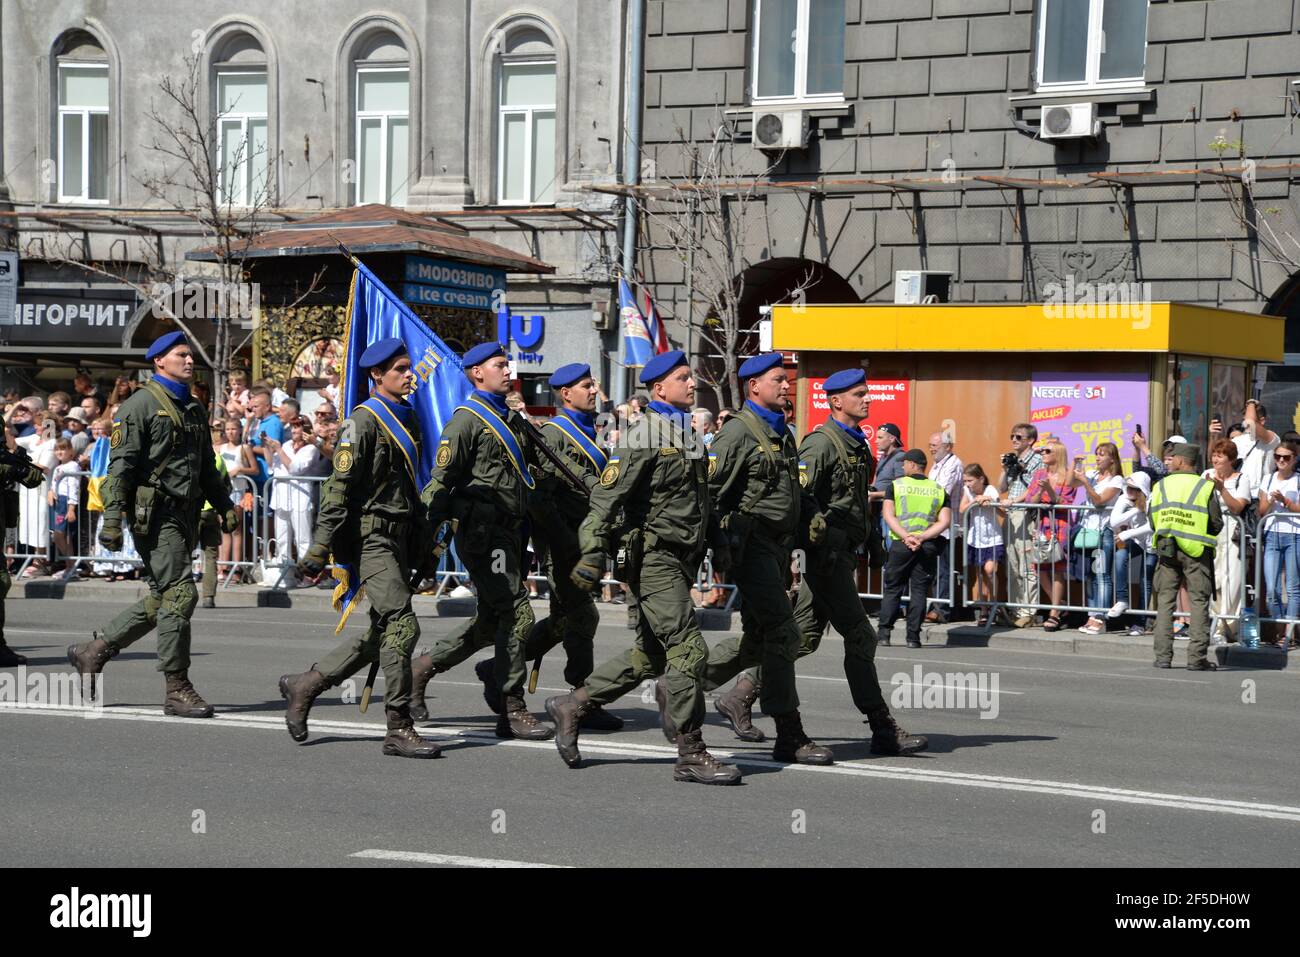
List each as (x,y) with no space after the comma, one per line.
(916,512)
(754,480)
(1185,521)
(557,511)
(372,521)
(13,468)
(835,464)
(482,479)
(656,477)
(161,467)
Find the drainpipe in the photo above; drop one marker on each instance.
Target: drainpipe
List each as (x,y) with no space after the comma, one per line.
(631,171)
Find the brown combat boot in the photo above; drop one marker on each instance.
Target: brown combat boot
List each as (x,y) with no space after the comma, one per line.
(518,722)
(182,700)
(567,711)
(736,706)
(486,672)
(89,660)
(696,765)
(402,741)
(795,747)
(888,738)
(661,699)
(10,658)
(300,691)
(422,670)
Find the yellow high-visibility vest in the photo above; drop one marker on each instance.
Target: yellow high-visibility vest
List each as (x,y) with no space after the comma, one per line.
(1180,509)
(917,502)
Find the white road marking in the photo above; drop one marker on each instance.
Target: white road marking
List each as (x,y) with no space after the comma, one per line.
(878,768)
(451,860)
(845,681)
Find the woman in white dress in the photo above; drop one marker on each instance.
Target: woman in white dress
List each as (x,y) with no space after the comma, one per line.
(292,498)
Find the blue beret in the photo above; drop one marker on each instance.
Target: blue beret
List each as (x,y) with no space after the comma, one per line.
(760,364)
(163,344)
(481,353)
(845,379)
(662,364)
(380,352)
(567,375)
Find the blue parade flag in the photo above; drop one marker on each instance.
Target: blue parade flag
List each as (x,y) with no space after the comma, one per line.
(638,347)
(374,313)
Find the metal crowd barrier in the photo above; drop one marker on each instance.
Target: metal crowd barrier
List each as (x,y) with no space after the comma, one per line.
(284,564)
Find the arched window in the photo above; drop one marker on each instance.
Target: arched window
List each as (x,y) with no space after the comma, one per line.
(82,124)
(240,102)
(526,169)
(382,120)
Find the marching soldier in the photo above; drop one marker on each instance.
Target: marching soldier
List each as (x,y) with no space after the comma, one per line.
(835,464)
(482,479)
(556,515)
(917,512)
(372,521)
(754,479)
(13,468)
(657,479)
(161,468)
(1186,521)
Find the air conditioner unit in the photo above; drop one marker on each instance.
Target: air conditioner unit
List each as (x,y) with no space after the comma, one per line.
(1070,121)
(780,130)
(913,287)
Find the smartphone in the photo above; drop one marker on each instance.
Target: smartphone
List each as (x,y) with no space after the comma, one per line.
(1137,430)
(262,436)
(1078,462)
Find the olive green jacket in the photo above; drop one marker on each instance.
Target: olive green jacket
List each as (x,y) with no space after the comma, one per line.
(148,450)
(656,480)
(370,479)
(762,483)
(841,493)
(472,465)
(558,509)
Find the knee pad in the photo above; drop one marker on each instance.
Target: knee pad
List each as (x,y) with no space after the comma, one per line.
(401,635)
(524,619)
(181,599)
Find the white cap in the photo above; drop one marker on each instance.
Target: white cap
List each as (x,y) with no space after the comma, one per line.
(1140,481)
(1176,440)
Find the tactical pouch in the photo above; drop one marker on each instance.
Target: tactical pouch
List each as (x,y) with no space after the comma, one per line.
(146,501)
(11,507)
(628,561)
(738,527)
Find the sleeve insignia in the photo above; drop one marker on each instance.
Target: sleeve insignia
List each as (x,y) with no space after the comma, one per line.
(115,439)
(713,465)
(343,461)
(610,475)
(443,458)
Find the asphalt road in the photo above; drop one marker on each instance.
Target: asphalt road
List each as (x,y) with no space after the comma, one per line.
(1088,761)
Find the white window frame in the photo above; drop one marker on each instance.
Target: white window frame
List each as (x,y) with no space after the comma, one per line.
(801,94)
(85,112)
(1092,79)
(385,117)
(529,113)
(242,117)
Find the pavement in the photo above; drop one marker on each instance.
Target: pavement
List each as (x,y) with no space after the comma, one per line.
(1068,752)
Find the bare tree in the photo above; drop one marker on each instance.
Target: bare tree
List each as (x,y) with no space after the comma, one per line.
(705,218)
(1268,232)
(187,179)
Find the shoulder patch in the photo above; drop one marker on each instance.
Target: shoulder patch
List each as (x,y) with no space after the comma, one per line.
(803,474)
(713,464)
(610,476)
(343,461)
(670,450)
(119,433)
(443,458)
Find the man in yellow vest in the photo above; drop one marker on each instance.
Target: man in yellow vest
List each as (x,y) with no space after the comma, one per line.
(1186,521)
(917,512)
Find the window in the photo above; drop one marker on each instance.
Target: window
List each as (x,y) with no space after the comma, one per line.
(241,137)
(798,50)
(383,134)
(1091,44)
(526,133)
(83,132)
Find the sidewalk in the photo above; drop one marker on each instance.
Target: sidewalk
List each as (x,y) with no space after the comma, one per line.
(955,635)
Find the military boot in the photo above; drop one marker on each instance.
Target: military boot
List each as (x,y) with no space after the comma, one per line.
(89,659)
(486,671)
(300,691)
(696,765)
(793,746)
(402,741)
(888,738)
(665,719)
(422,670)
(567,711)
(518,722)
(182,700)
(598,719)
(736,706)
(10,658)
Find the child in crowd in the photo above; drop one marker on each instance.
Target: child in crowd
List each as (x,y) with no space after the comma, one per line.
(984,547)
(1132,528)
(64,496)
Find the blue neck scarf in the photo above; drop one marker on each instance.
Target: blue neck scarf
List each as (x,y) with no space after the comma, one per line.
(403,410)
(853,430)
(497,402)
(583,420)
(673,414)
(775,420)
(180,391)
